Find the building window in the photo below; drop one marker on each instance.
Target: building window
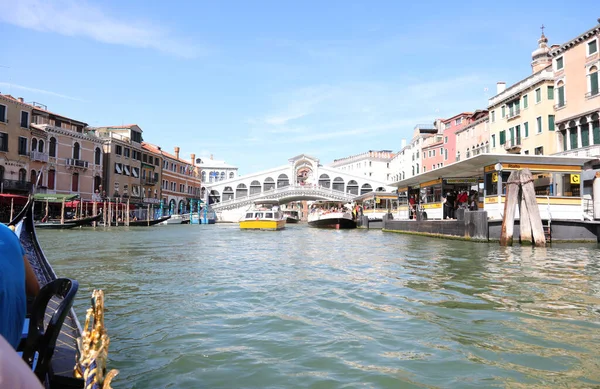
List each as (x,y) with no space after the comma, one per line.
(2,113)
(75,183)
(127,152)
(3,141)
(52,147)
(503,111)
(41,146)
(559,63)
(458,121)
(561,94)
(118,168)
(24,119)
(493,116)
(539,150)
(118,150)
(51,178)
(22,146)
(593,83)
(97,156)
(33,144)
(493,140)
(538,95)
(502,137)
(526,127)
(592,47)
(550,92)
(22,175)
(525,101)
(76,151)
(539,125)
(136,136)
(550,122)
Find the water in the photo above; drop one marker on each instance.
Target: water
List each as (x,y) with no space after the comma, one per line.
(216,307)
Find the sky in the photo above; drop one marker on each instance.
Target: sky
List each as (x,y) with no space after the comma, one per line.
(255,83)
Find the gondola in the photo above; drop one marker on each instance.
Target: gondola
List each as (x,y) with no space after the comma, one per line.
(70,223)
(53,359)
(144,223)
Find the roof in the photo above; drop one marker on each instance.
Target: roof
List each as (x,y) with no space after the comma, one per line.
(565,46)
(457,116)
(33,107)
(381,195)
(474,166)
(121,127)
(152,148)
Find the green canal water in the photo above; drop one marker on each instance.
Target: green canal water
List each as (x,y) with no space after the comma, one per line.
(216,307)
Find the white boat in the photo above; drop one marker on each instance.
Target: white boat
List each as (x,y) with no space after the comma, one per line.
(328,214)
(263,215)
(174,219)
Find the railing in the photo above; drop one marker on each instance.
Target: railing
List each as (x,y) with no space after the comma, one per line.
(21,186)
(38,156)
(592,94)
(560,105)
(77,163)
(512,143)
(150,181)
(514,114)
(151,200)
(588,151)
(275,193)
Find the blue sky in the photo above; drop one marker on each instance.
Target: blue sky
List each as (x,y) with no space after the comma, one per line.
(257,82)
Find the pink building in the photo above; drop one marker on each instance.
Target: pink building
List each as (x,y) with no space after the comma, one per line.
(450,127)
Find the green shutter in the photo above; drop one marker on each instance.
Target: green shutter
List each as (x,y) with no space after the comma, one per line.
(502,137)
(538,95)
(518,134)
(573,132)
(550,93)
(561,96)
(596,132)
(564,135)
(594,83)
(512,135)
(539,125)
(526,125)
(525,102)
(503,111)
(585,135)
(551,122)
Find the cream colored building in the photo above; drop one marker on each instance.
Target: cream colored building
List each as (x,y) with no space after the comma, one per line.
(373,163)
(522,116)
(122,162)
(474,138)
(576,66)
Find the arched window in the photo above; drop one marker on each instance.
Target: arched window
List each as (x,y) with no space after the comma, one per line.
(34,144)
(22,175)
(97,156)
(51,178)
(230,174)
(41,146)
(76,151)
(222,176)
(75,182)
(52,149)
(32,176)
(593,83)
(203,176)
(97,183)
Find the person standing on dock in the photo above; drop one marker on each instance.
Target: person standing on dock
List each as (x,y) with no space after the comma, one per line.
(17,281)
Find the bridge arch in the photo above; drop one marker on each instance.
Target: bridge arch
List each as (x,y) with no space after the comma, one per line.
(255,187)
(283,180)
(214,197)
(241,191)
(366,188)
(269,184)
(380,189)
(227,193)
(338,184)
(352,187)
(324,181)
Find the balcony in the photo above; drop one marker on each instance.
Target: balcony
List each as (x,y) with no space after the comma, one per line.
(37,156)
(15,186)
(560,105)
(513,146)
(151,200)
(77,163)
(592,151)
(149,181)
(514,114)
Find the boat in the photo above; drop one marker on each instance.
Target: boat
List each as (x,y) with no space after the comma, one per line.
(263,215)
(55,225)
(328,214)
(292,216)
(174,219)
(145,223)
(56,353)
(69,223)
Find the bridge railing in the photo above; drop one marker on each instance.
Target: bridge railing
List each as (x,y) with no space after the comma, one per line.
(277,192)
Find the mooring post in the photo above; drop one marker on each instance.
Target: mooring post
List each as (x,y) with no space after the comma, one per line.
(510,205)
(524,222)
(537,229)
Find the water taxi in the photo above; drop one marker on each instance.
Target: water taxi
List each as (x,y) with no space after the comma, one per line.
(292,216)
(264,215)
(328,214)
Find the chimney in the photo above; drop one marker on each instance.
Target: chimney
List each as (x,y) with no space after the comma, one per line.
(193,156)
(177,152)
(20,99)
(500,87)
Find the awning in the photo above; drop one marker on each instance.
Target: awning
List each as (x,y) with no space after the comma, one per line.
(16,199)
(54,198)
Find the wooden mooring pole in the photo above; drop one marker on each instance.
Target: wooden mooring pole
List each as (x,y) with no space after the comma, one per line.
(535,220)
(510,205)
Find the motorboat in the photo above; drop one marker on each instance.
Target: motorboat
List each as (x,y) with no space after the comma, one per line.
(263,215)
(328,214)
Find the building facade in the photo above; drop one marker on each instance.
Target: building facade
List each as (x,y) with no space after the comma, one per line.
(181,183)
(152,162)
(122,146)
(522,118)
(575,66)
(214,170)
(450,127)
(15,138)
(407,162)
(373,163)
(474,138)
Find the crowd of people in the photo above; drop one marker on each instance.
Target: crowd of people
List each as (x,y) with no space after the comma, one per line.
(451,200)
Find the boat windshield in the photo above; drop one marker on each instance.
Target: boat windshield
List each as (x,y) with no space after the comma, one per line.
(249,215)
(269,215)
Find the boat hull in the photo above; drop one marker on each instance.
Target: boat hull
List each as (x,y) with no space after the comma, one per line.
(337,223)
(55,226)
(174,219)
(273,225)
(292,220)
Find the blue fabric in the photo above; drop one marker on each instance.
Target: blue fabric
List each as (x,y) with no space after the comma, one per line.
(13,300)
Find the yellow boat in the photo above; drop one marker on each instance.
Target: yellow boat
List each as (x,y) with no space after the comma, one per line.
(264,215)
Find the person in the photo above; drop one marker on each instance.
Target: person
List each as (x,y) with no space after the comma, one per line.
(14,372)
(17,281)
(412,206)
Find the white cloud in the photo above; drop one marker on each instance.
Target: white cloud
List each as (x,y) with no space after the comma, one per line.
(78,18)
(11,86)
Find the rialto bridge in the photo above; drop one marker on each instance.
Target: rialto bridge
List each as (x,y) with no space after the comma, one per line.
(303,178)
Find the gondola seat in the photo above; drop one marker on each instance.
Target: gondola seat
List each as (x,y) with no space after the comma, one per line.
(41,342)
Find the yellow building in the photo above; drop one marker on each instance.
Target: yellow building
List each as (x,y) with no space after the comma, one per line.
(522,116)
(576,66)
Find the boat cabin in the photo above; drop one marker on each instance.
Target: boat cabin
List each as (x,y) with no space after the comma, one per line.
(375,205)
(264,209)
